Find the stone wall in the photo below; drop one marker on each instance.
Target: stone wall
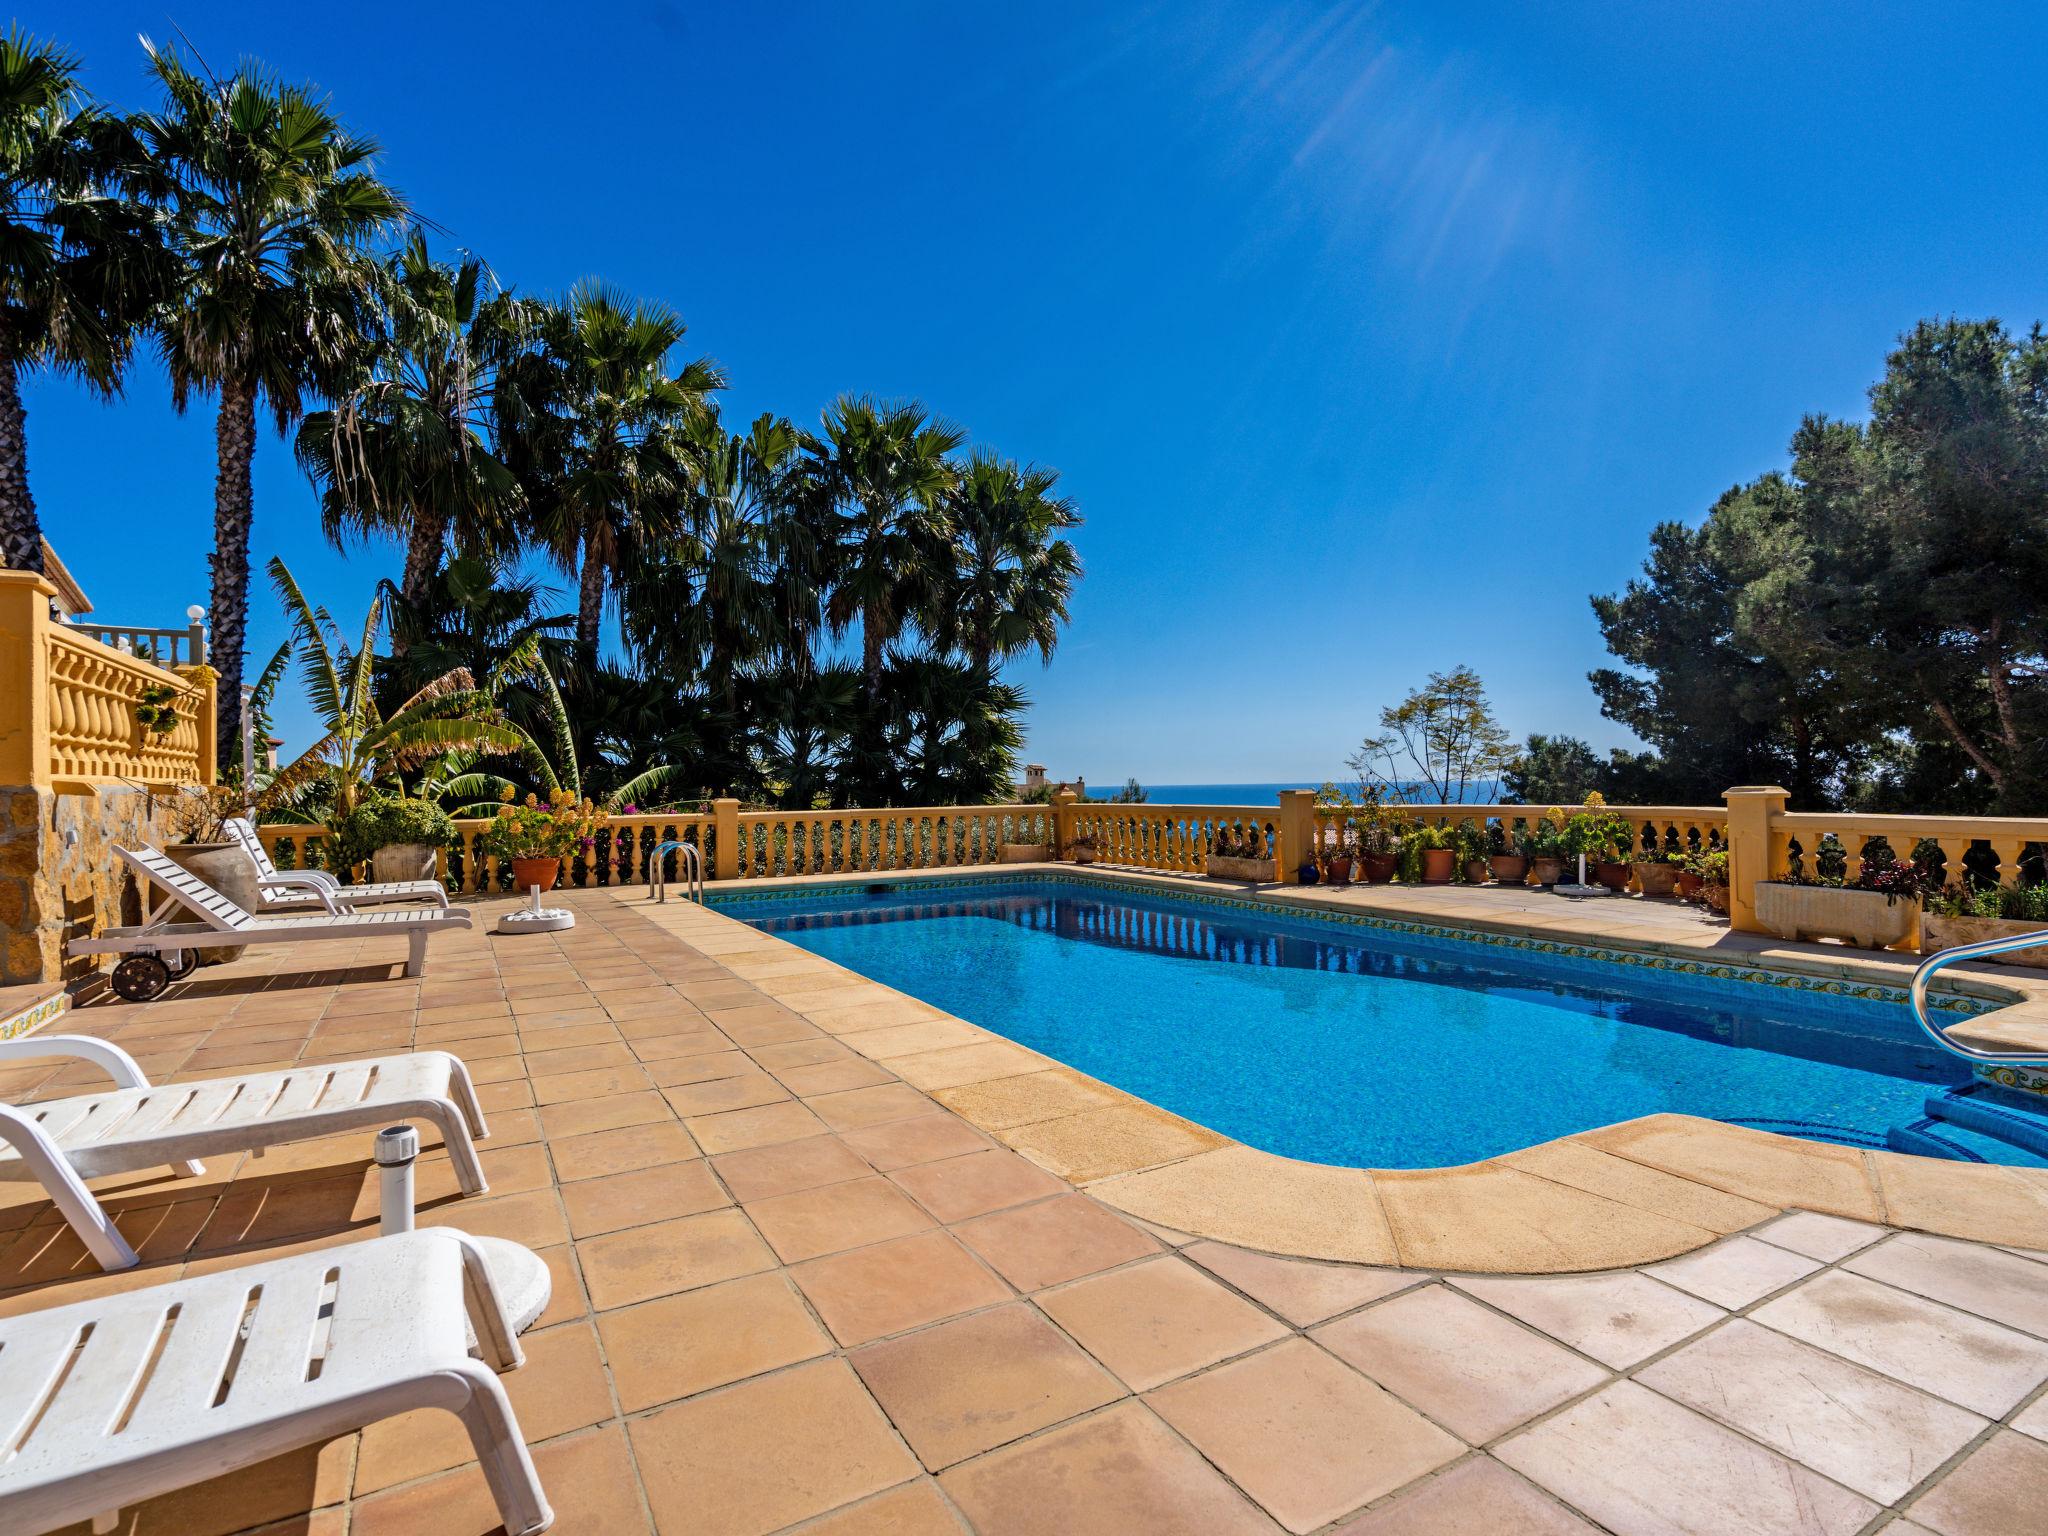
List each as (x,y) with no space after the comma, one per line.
(59,878)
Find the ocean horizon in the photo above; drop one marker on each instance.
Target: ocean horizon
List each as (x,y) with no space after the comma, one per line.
(1253,794)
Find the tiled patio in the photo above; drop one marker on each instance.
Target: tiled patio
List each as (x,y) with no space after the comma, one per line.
(794,1291)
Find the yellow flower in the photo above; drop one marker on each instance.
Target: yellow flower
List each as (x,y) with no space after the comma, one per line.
(507,793)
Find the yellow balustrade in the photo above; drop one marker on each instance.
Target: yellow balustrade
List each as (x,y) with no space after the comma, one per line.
(71,724)
(1169,837)
(1654,826)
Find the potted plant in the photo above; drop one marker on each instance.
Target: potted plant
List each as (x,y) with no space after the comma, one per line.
(1238,854)
(1656,870)
(191,825)
(1691,873)
(1380,829)
(1428,855)
(1966,914)
(1083,847)
(1472,842)
(398,837)
(1336,835)
(1710,868)
(1507,859)
(1602,838)
(1876,911)
(536,837)
(1543,845)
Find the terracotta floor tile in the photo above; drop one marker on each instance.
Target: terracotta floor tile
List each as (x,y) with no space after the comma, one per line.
(1861,1429)
(1635,1461)
(1156,1321)
(1034,1246)
(800,1053)
(581,1117)
(1477,1497)
(1981,1365)
(2001,1286)
(912,1509)
(870,1106)
(622,1200)
(1618,1318)
(769,1452)
(641,1263)
(710,1067)
(1818,1236)
(588,1480)
(1303,1292)
(973,1384)
(674,1047)
(832,1077)
(562,1387)
(922,1139)
(1117,1473)
(833,1217)
(680,1345)
(1996,1492)
(870,1293)
(621,1151)
(739,1129)
(1735,1271)
(956,1188)
(788,1166)
(603,1083)
(534,1219)
(725,1093)
(1470,1369)
(556,1061)
(1305,1435)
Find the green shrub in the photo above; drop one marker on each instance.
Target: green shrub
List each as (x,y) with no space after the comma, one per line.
(384,820)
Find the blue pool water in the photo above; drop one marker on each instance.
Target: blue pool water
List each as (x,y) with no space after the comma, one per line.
(1343,1044)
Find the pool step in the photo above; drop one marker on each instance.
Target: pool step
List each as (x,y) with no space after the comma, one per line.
(1922,1139)
(1989,1113)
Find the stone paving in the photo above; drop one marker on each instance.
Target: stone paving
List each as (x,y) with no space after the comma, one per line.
(793,1291)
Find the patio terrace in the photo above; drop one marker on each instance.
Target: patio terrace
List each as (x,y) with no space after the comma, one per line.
(795,1290)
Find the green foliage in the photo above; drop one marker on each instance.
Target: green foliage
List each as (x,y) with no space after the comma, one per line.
(2014,903)
(558,828)
(1442,738)
(383,821)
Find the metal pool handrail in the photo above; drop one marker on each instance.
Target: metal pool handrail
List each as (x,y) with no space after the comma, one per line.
(693,870)
(1917,995)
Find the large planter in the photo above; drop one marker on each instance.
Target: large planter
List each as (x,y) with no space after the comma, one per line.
(1377,868)
(1337,870)
(1715,897)
(1656,877)
(402,861)
(1938,933)
(527,873)
(1509,868)
(1476,871)
(1024,853)
(1687,884)
(1546,872)
(1220,868)
(1438,864)
(1864,918)
(1613,876)
(1083,855)
(228,870)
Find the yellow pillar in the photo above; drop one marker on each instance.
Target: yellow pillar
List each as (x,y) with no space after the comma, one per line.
(1296,828)
(725,837)
(209,727)
(1062,821)
(1750,810)
(25,679)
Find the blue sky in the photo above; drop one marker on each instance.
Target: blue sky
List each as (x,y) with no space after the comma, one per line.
(1370,340)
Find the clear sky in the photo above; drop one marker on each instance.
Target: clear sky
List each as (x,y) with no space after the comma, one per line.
(1368,339)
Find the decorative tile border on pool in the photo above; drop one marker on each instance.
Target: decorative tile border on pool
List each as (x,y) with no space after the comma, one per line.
(1601,954)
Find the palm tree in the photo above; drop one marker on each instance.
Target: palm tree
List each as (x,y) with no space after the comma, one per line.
(596,426)
(362,747)
(1014,574)
(80,259)
(884,470)
(269,204)
(406,449)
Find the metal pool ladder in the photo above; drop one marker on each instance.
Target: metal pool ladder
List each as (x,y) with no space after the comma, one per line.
(1917,995)
(693,870)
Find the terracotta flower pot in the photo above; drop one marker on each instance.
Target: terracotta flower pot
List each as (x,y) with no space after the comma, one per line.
(527,873)
(1688,884)
(1509,868)
(1378,868)
(1546,872)
(1476,871)
(1437,865)
(1655,877)
(1613,876)
(1715,896)
(1337,871)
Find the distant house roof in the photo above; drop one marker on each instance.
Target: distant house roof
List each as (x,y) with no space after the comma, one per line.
(70,595)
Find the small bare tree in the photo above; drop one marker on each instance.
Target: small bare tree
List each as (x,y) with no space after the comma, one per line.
(1442,738)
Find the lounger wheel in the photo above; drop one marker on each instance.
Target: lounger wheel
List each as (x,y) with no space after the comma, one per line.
(140,978)
(181,963)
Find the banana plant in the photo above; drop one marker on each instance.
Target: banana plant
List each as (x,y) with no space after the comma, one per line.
(362,749)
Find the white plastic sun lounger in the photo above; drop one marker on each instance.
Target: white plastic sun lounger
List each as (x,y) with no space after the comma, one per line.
(303,890)
(107,1402)
(226,925)
(63,1142)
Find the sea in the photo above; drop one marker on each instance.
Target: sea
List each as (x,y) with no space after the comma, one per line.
(1255,794)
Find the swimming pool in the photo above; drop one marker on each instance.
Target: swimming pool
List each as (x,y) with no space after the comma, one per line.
(1379,1046)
